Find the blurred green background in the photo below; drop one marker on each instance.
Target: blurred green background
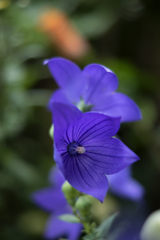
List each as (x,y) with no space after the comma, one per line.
(124,35)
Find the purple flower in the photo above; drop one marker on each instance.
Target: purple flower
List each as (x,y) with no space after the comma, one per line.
(52,200)
(123,185)
(93,89)
(85,150)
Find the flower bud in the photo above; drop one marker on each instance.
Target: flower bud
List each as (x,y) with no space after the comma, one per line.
(69,191)
(51,131)
(151,227)
(83,205)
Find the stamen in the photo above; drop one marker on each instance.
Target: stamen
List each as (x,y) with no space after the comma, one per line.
(80,150)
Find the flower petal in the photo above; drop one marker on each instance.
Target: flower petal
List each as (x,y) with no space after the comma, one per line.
(58,96)
(85,177)
(109,157)
(67,75)
(119,105)
(56,228)
(93,127)
(56,177)
(50,199)
(100,81)
(122,184)
(58,159)
(63,115)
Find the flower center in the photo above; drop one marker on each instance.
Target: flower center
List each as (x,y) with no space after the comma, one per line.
(75,149)
(82,106)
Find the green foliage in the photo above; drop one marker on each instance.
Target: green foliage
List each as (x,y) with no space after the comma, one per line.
(103,229)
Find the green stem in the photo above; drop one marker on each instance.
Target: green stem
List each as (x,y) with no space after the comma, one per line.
(86,224)
(80,206)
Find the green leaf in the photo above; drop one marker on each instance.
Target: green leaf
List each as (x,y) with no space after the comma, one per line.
(104,228)
(69,218)
(90,236)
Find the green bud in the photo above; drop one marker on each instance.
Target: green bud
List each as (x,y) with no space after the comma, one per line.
(83,205)
(51,131)
(151,227)
(69,191)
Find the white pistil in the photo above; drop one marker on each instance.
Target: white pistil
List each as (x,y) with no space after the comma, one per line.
(80,150)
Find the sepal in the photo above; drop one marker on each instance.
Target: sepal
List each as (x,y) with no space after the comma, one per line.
(69,218)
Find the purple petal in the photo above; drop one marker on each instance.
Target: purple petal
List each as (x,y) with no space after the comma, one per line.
(93,127)
(109,157)
(64,71)
(79,175)
(58,159)
(67,75)
(58,96)
(56,177)
(124,185)
(56,228)
(118,105)
(84,176)
(50,199)
(100,81)
(63,115)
